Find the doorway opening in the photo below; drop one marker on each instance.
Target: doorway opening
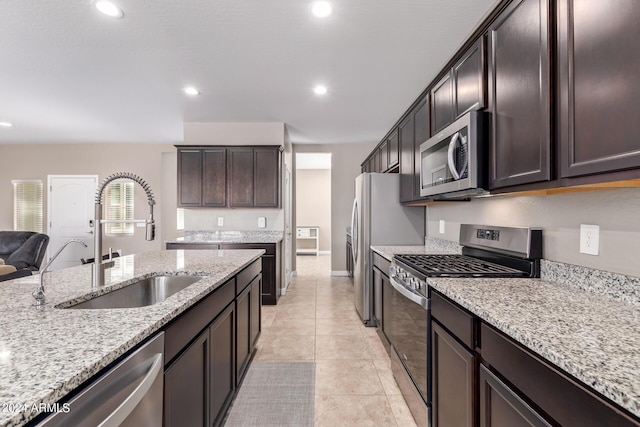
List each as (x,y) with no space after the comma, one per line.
(313,204)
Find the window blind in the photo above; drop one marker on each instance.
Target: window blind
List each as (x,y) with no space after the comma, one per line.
(119,206)
(27,205)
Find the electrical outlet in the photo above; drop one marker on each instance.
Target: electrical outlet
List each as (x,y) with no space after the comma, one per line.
(441,226)
(220,221)
(262,222)
(589,239)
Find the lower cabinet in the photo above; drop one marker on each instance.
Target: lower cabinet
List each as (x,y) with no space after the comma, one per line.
(186,386)
(483,378)
(453,374)
(349,256)
(208,349)
(501,407)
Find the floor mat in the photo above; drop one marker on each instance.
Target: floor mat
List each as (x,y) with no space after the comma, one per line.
(275,394)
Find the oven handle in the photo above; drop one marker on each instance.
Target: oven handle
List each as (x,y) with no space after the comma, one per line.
(450,153)
(418,299)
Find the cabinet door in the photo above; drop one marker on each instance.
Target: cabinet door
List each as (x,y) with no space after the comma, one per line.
(256,310)
(243,345)
(520,147)
(468,80)
(442,104)
(214,182)
(393,146)
(501,407)
(598,89)
(189,178)
(453,370)
(222,364)
(240,177)
(383,152)
(270,294)
(378,279)
(421,132)
(266,172)
(186,386)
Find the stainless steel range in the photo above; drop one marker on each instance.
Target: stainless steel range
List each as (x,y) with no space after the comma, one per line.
(487,251)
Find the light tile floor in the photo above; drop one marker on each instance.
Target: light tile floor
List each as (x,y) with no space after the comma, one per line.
(316,321)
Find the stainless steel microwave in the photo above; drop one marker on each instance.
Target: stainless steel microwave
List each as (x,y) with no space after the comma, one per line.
(453,162)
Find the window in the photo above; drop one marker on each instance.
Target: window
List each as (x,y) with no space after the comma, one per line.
(27,205)
(119,206)
(179,219)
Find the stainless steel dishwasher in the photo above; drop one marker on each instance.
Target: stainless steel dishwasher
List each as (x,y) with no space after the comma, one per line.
(129,394)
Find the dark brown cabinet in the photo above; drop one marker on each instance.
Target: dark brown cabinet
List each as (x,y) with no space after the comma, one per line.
(501,407)
(349,256)
(235,177)
(186,386)
(221,364)
(453,380)
(383,152)
(393,147)
(412,131)
(442,103)
(598,86)
(208,349)
(469,80)
(519,95)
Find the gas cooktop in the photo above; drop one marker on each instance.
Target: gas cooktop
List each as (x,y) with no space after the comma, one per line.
(457,266)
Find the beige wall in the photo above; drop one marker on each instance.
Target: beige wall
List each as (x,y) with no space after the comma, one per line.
(617,212)
(156,163)
(272,133)
(345,166)
(234,219)
(313,202)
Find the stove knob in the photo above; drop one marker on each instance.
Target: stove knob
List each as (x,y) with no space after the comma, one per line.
(393,270)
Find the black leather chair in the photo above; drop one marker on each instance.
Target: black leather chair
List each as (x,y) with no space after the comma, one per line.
(24,250)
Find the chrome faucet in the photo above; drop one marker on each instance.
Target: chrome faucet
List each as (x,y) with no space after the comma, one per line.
(98,265)
(38,294)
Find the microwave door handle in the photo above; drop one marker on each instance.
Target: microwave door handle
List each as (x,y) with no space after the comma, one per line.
(451,152)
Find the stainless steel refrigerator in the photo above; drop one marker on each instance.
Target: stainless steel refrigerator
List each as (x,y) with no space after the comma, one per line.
(378,218)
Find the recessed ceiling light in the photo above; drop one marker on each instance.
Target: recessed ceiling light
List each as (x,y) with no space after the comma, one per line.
(109,9)
(192,91)
(5,124)
(320,90)
(321,9)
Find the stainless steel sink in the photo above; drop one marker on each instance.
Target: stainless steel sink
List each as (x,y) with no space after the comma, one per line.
(139,294)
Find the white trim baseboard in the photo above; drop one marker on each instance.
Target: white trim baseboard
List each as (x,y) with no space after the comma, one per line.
(339,273)
(324,252)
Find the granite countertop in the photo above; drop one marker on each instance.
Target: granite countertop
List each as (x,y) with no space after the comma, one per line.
(564,318)
(47,352)
(250,236)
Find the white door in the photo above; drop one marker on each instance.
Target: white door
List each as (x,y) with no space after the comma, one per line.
(70,215)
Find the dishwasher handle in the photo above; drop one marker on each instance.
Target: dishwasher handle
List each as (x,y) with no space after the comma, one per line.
(121,413)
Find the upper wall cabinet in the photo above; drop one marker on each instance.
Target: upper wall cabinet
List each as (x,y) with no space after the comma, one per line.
(599,111)
(232,177)
(462,89)
(412,131)
(520,147)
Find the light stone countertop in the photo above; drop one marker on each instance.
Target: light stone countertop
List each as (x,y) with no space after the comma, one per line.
(591,335)
(47,352)
(249,236)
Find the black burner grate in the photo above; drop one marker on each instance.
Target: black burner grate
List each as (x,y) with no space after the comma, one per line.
(457,265)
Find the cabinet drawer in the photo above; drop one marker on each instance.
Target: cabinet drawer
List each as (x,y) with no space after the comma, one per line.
(179,332)
(564,399)
(246,276)
(455,319)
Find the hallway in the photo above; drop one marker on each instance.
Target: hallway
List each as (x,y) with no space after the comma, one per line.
(315,322)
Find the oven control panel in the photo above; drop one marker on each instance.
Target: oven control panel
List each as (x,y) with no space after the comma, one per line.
(408,280)
(486,234)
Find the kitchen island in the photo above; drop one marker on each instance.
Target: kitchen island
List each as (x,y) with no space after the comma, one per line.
(582,322)
(47,352)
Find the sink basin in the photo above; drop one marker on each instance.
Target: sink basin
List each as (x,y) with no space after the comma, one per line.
(139,294)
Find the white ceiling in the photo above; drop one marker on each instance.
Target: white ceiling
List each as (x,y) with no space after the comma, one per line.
(72,75)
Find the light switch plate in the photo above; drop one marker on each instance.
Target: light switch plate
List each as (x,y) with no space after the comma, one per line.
(262,222)
(220,221)
(441,226)
(589,239)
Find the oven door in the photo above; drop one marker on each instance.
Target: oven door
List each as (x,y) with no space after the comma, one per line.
(406,326)
(450,160)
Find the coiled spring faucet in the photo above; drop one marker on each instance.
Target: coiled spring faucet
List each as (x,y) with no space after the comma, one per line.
(98,266)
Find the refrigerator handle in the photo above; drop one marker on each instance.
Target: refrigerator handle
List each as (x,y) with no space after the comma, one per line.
(354,231)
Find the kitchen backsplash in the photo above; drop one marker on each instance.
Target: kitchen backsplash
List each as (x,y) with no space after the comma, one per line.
(233,219)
